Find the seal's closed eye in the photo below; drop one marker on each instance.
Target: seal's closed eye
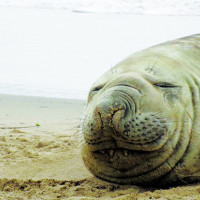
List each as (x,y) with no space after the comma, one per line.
(94,91)
(165,85)
(97,88)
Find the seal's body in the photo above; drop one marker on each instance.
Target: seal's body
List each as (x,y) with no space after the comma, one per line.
(142,123)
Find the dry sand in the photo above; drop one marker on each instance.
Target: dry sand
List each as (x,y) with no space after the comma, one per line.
(44,162)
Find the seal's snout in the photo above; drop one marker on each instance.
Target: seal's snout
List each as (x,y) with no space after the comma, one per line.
(99,126)
(106,111)
(117,117)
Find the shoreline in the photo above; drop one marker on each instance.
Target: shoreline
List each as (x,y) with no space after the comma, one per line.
(101,12)
(45,97)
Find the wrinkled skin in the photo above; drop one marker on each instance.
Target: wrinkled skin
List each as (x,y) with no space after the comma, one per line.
(142,119)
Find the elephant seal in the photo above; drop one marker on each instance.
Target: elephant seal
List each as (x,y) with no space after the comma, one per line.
(142,118)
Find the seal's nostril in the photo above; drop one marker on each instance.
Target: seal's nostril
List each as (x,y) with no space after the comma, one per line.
(117,116)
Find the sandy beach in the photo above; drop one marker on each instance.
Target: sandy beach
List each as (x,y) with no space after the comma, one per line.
(40,156)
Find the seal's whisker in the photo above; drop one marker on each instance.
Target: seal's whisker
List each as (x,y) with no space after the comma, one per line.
(154,114)
(83,114)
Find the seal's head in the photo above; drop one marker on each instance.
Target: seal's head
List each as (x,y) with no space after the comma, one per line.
(133,119)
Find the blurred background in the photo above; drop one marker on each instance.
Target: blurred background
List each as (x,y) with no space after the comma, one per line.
(58,48)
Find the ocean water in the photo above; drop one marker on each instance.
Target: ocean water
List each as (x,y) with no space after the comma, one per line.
(154,7)
(61,52)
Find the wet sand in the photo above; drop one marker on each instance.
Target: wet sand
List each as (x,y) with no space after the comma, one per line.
(40,156)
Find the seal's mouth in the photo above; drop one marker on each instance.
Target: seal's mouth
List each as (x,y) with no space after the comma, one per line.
(111,152)
(120,152)
(118,158)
